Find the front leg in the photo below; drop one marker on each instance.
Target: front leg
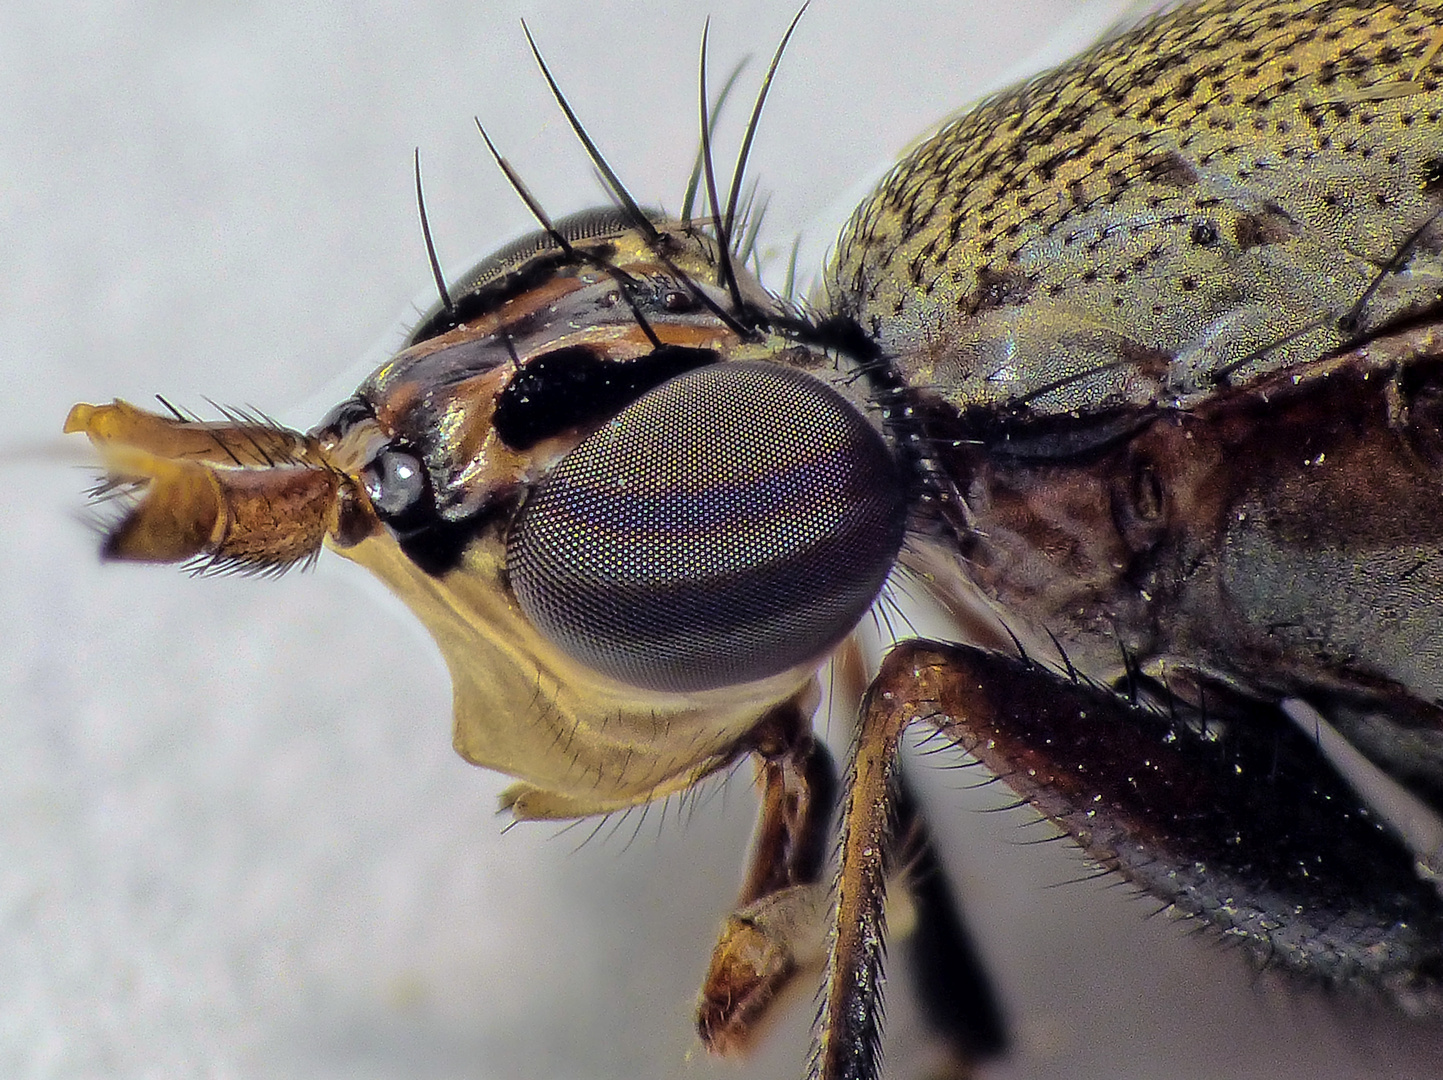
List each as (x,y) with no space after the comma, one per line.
(849,1039)
(778,928)
(1241,823)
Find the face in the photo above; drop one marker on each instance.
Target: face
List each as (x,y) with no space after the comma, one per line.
(239,834)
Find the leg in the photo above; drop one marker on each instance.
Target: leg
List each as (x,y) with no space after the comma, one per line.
(957,998)
(776,929)
(1242,824)
(849,1039)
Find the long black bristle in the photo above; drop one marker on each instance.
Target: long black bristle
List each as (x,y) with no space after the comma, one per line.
(723,236)
(431,256)
(755,121)
(518,186)
(694,180)
(618,189)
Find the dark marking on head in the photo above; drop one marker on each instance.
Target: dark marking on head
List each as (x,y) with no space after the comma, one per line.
(490,296)
(438,546)
(574,386)
(343,417)
(526,263)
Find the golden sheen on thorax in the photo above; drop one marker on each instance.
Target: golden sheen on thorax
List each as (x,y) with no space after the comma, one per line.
(1199,203)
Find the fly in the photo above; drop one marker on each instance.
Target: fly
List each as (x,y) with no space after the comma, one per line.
(1133,368)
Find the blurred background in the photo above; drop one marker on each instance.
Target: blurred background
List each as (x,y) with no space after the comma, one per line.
(234,839)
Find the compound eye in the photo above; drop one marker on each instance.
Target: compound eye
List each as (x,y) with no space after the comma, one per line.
(395,480)
(726,526)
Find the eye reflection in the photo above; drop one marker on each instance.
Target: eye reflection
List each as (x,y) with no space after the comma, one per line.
(395,481)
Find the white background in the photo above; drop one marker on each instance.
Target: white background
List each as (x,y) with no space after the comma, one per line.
(234,840)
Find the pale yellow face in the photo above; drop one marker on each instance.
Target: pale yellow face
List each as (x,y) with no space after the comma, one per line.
(578,742)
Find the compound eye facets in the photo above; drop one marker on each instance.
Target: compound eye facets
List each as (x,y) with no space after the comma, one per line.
(726,526)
